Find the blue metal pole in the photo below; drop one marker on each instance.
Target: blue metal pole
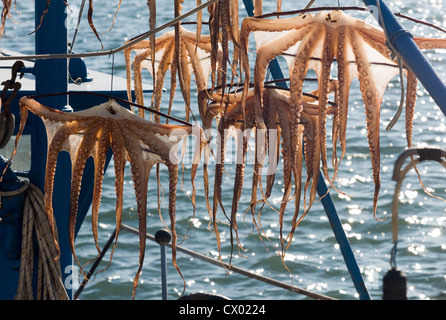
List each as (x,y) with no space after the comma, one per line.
(51,76)
(11,217)
(163,237)
(327,203)
(403,42)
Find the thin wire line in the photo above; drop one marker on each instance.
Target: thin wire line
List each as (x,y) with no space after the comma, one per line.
(77,26)
(116,50)
(111,97)
(112,74)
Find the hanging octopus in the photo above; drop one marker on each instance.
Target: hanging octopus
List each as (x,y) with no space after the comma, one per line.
(277,119)
(314,42)
(195,58)
(91,133)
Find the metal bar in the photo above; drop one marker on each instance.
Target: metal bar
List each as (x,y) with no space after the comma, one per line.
(328,204)
(341,238)
(407,49)
(112,51)
(163,272)
(95,265)
(52,76)
(236,269)
(163,237)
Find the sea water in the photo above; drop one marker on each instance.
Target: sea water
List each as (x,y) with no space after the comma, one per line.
(314,260)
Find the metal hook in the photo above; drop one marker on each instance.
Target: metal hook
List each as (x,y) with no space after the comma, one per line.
(7,119)
(12,84)
(424,154)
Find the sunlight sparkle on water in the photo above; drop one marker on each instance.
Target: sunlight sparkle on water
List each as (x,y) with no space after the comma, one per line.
(292,257)
(435,233)
(354,209)
(416,250)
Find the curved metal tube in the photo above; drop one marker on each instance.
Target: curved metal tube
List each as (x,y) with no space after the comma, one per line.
(402,41)
(424,154)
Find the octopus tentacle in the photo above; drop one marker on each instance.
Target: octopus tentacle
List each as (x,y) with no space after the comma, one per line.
(54,148)
(140,175)
(238,181)
(180,51)
(23,117)
(119,160)
(429,43)
(411,96)
(160,75)
(256,24)
(297,77)
(288,164)
(274,48)
(372,100)
(334,86)
(152,22)
(173,178)
(99,159)
(90,133)
(324,80)
(90,21)
(297,178)
(276,116)
(345,80)
(218,181)
(270,117)
(268,52)
(312,156)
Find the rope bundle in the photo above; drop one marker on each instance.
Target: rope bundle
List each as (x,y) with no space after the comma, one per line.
(36,227)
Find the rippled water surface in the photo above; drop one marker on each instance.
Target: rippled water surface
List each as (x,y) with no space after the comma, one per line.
(314,260)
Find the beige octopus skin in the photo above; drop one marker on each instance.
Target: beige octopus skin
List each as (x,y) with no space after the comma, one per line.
(277,120)
(314,42)
(90,133)
(194,56)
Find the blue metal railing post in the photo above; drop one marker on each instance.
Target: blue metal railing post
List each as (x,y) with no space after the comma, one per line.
(51,76)
(327,203)
(163,237)
(403,42)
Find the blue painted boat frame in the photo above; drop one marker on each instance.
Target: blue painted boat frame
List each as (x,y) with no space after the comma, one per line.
(51,76)
(407,49)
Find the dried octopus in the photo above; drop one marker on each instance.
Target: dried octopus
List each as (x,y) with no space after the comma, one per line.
(277,121)
(6,13)
(223,28)
(195,57)
(91,133)
(184,52)
(314,42)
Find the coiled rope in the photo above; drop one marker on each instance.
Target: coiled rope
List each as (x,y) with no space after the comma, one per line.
(36,228)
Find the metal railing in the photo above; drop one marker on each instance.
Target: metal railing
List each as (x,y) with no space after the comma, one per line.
(162,237)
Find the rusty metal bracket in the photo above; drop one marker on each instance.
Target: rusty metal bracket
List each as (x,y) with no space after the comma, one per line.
(7,119)
(12,84)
